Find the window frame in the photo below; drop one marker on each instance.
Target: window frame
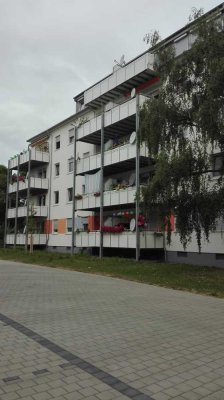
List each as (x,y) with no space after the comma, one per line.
(57,142)
(71,136)
(57,169)
(42,200)
(55,226)
(68,228)
(216,158)
(56,197)
(70,162)
(69,194)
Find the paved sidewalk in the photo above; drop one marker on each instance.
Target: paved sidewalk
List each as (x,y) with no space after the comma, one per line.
(67,335)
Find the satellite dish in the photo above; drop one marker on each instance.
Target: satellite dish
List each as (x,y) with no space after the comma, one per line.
(132,179)
(132,138)
(133,93)
(122,62)
(132,225)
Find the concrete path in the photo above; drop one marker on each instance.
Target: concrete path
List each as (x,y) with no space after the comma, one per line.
(67,335)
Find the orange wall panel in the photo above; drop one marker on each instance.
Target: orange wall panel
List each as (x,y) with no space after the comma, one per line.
(47,226)
(172,222)
(93,223)
(61,225)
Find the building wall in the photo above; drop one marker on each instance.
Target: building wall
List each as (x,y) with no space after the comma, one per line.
(205,259)
(61,183)
(212,252)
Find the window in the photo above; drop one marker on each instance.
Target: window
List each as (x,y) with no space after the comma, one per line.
(42,200)
(218,164)
(55,226)
(219,256)
(69,194)
(181,254)
(56,197)
(69,225)
(219,224)
(57,169)
(70,164)
(57,142)
(70,136)
(42,173)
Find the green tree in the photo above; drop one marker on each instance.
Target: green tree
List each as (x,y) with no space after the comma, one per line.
(183,128)
(3,186)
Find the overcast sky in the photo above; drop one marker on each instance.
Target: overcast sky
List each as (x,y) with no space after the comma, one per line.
(53,49)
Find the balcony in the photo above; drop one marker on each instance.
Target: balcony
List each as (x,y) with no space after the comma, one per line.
(38,239)
(122,79)
(89,131)
(148,240)
(40,211)
(35,184)
(114,156)
(37,158)
(111,198)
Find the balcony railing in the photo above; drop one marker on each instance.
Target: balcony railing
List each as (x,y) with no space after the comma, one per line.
(112,116)
(40,211)
(127,239)
(111,198)
(38,239)
(36,155)
(120,76)
(112,156)
(35,183)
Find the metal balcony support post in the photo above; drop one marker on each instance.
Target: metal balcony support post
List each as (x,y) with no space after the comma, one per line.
(6,205)
(17,201)
(137,166)
(73,194)
(49,190)
(28,200)
(101,184)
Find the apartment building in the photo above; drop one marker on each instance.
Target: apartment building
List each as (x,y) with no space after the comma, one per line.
(74,188)
(40,188)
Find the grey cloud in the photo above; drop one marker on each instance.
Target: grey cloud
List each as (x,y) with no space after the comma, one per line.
(53,49)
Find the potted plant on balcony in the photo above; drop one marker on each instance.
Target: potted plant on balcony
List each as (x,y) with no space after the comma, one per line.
(78,196)
(119,228)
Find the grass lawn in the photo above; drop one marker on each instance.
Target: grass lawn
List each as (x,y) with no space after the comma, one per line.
(204,280)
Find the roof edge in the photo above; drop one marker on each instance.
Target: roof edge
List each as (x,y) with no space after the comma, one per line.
(162,43)
(48,131)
